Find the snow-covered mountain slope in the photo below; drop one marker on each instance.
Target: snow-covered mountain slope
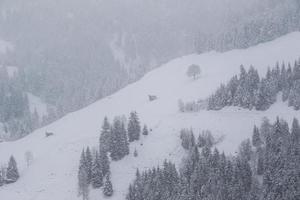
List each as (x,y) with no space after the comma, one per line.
(53,174)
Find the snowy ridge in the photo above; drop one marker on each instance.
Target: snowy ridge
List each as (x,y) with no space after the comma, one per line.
(53,174)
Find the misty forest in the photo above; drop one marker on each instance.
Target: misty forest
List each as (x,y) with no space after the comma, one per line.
(150,99)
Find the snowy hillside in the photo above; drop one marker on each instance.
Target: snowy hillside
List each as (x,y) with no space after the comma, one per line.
(53,174)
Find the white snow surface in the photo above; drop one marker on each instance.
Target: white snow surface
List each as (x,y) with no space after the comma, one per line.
(53,174)
(5,46)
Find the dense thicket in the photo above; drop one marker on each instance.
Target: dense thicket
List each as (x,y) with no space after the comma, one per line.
(268,170)
(250,91)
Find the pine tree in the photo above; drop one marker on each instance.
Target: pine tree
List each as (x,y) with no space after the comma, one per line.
(135,153)
(97,176)
(108,188)
(83,185)
(295,131)
(256,140)
(125,143)
(89,164)
(12,174)
(260,162)
(104,162)
(119,143)
(134,128)
(145,130)
(294,97)
(2,176)
(105,136)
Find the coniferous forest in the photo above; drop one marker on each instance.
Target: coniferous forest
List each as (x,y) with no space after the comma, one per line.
(249,91)
(265,167)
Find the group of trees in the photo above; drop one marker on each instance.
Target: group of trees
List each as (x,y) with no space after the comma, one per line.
(115,137)
(15,112)
(9,174)
(94,167)
(250,91)
(205,139)
(94,170)
(265,168)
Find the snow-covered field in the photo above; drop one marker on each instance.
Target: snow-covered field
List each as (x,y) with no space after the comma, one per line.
(53,174)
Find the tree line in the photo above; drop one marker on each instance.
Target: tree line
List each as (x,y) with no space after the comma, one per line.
(94,167)
(266,167)
(249,91)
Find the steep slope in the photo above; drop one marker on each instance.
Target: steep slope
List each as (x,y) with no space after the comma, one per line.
(53,174)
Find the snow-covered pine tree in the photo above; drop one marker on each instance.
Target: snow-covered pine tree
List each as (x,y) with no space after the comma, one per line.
(135,153)
(295,131)
(97,176)
(134,128)
(103,157)
(125,143)
(145,130)
(83,185)
(105,135)
(256,140)
(12,174)
(294,98)
(108,188)
(119,146)
(88,164)
(2,176)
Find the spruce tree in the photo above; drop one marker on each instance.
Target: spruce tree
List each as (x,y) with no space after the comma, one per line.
(105,136)
(119,143)
(145,130)
(108,188)
(97,176)
(2,176)
(104,162)
(89,163)
(256,140)
(134,128)
(295,131)
(125,143)
(12,174)
(83,185)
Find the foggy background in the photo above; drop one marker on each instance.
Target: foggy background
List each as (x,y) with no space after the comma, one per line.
(71,53)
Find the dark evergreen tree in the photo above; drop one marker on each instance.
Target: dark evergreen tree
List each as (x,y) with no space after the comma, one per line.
(2,176)
(145,130)
(245,150)
(97,176)
(88,164)
(104,161)
(134,128)
(83,185)
(108,188)
(135,153)
(12,173)
(105,136)
(295,131)
(256,140)
(119,146)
